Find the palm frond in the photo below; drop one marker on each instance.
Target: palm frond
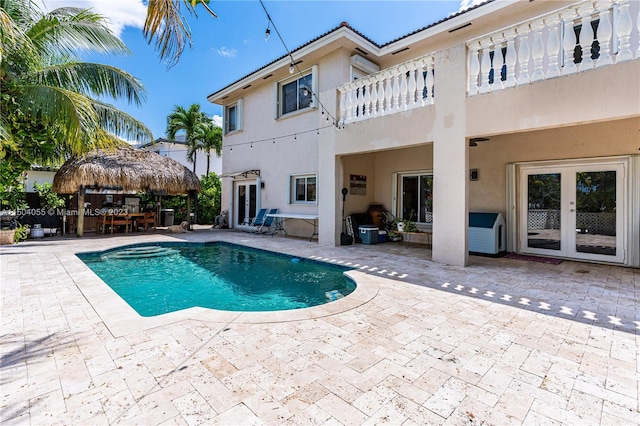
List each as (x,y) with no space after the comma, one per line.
(71,111)
(108,141)
(166,24)
(22,12)
(92,79)
(71,30)
(121,124)
(13,39)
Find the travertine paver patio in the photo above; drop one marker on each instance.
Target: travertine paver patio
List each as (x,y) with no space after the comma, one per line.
(499,342)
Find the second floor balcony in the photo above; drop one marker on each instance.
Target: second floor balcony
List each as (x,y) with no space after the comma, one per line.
(584,36)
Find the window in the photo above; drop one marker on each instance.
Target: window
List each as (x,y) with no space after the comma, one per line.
(296,93)
(416,197)
(233,117)
(232,122)
(303,189)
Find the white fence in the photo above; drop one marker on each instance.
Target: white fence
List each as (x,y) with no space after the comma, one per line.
(595,223)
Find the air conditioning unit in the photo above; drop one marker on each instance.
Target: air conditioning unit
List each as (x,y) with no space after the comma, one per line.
(363,64)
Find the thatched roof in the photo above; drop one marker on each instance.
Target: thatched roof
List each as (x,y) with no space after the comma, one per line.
(127,169)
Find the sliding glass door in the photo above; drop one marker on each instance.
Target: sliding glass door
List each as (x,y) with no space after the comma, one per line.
(416,201)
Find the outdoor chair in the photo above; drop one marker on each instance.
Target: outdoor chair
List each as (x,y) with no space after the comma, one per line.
(265,226)
(149,220)
(116,220)
(257,221)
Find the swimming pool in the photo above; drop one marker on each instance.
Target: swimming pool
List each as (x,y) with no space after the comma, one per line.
(159,278)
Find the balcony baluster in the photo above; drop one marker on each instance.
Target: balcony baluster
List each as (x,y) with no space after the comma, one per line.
(569,44)
(523,55)
(395,104)
(374,97)
(510,59)
(485,66)
(553,45)
(381,94)
(497,62)
(366,110)
(586,39)
(349,103)
(429,98)
(537,50)
(388,93)
(623,31)
(343,102)
(411,95)
(474,68)
(603,35)
(404,94)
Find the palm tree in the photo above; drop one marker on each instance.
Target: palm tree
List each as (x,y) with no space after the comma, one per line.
(210,137)
(167,25)
(51,102)
(187,120)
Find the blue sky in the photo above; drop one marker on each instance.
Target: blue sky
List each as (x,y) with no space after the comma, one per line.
(233,45)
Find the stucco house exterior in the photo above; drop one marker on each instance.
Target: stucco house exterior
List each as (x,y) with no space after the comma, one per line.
(530,109)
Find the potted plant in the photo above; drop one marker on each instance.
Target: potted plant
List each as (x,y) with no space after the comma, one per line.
(407,225)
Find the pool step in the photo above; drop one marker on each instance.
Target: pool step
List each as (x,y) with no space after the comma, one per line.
(334,295)
(142,252)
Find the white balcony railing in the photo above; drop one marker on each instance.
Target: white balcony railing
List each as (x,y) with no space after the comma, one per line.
(584,36)
(400,88)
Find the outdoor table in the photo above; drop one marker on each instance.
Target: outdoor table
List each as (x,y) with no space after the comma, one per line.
(281,218)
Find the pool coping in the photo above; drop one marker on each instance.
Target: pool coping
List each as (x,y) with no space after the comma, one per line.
(121,319)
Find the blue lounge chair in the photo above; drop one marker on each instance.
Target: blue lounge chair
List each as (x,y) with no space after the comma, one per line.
(266,223)
(257,221)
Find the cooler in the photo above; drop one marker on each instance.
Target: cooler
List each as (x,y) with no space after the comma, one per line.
(369,234)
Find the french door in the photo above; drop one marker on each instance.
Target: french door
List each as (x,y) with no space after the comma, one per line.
(246,202)
(574,210)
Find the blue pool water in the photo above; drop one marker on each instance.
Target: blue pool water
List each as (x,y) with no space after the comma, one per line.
(159,278)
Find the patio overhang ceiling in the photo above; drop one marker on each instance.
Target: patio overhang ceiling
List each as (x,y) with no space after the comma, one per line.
(245,174)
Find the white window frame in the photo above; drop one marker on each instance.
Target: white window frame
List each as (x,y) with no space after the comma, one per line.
(313,71)
(293,188)
(238,105)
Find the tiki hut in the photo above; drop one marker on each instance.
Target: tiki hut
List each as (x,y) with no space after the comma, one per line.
(125,169)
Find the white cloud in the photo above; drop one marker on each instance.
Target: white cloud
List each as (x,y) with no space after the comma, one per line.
(227,53)
(217,120)
(466,4)
(120,13)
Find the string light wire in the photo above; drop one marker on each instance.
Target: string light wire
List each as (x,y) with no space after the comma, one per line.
(273,139)
(293,64)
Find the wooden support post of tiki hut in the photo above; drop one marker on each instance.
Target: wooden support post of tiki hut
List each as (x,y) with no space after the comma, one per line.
(80,216)
(189,209)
